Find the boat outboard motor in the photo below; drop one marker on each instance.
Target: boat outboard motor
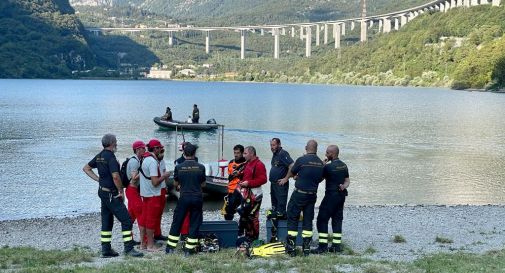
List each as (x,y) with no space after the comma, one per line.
(211,121)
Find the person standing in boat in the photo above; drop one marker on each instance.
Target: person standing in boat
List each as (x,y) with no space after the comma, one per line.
(196,114)
(189,177)
(281,164)
(309,171)
(168,115)
(111,193)
(235,173)
(255,175)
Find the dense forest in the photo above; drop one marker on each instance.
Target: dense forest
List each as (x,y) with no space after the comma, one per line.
(463,48)
(41,39)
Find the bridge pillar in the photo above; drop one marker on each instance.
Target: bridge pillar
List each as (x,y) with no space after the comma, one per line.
(170,38)
(466,3)
(242,44)
(496,3)
(353,25)
(475,2)
(370,24)
(292,32)
(343,29)
(381,26)
(308,41)
(453,4)
(275,32)
(364,32)
(397,23)
(207,42)
(301,32)
(459,3)
(283,31)
(318,29)
(325,39)
(386,25)
(337,34)
(262,32)
(447,6)
(403,20)
(441,7)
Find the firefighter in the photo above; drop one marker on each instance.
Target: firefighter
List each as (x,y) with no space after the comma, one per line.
(235,173)
(336,175)
(189,177)
(309,171)
(281,164)
(255,175)
(111,193)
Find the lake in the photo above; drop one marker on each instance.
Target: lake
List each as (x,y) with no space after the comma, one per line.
(402,145)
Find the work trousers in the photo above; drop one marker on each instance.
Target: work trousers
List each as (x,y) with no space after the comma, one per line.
(279,196)
(192,203)
(114,207)
(332,207)
(301,202)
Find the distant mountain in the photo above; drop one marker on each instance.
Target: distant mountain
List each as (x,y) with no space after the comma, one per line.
(41,39)
(242,12)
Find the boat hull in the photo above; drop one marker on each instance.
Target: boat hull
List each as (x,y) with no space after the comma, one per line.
(176,124)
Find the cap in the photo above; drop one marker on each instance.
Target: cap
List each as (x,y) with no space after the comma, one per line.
(138,144)
(153,143)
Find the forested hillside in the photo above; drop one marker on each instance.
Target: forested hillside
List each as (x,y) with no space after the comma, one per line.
(244,12)
(41,39)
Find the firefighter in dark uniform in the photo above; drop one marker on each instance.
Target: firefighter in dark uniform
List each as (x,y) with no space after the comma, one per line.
(309,172)
(336,175)
(281,164)
(189,177)
(111,193)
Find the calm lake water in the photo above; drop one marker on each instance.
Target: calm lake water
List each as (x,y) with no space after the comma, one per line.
(402,145)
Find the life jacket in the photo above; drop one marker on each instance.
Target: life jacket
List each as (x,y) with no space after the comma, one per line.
(235,172)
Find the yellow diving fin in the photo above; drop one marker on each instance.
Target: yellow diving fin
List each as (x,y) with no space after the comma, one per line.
(268,250)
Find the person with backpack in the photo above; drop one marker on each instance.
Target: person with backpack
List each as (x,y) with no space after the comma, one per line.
(130,178)
(151,181)
(110,191)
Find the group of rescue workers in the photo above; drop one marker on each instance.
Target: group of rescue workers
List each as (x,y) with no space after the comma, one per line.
(144,176)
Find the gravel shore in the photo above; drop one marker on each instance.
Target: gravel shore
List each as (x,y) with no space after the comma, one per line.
(474,229)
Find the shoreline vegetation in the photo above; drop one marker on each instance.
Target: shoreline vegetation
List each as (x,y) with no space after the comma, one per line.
(421,238)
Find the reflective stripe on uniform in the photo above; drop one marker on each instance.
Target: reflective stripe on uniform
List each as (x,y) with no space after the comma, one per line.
(192,241)
(173,238)
(172,244)
(337,238)
(127,236)
(307,233)
(105,236)
(293,233)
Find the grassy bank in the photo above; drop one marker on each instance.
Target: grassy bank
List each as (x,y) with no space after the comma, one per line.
(85,260)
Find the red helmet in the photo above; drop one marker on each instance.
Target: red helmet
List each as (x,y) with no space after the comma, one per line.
(138,144)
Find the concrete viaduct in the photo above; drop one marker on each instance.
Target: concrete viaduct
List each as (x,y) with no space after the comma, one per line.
(386,23)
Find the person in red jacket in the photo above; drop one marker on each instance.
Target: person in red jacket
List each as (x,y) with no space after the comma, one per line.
(255,175)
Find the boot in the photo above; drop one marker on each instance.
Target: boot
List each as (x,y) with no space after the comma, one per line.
(169,250)
(291,246)
(321,249)
(336,248)
(306,246)
(130,251)
(108,252)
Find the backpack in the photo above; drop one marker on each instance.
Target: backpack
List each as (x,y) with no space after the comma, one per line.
(123,172)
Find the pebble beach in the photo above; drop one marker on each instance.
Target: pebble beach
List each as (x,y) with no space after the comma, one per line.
(473,229)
